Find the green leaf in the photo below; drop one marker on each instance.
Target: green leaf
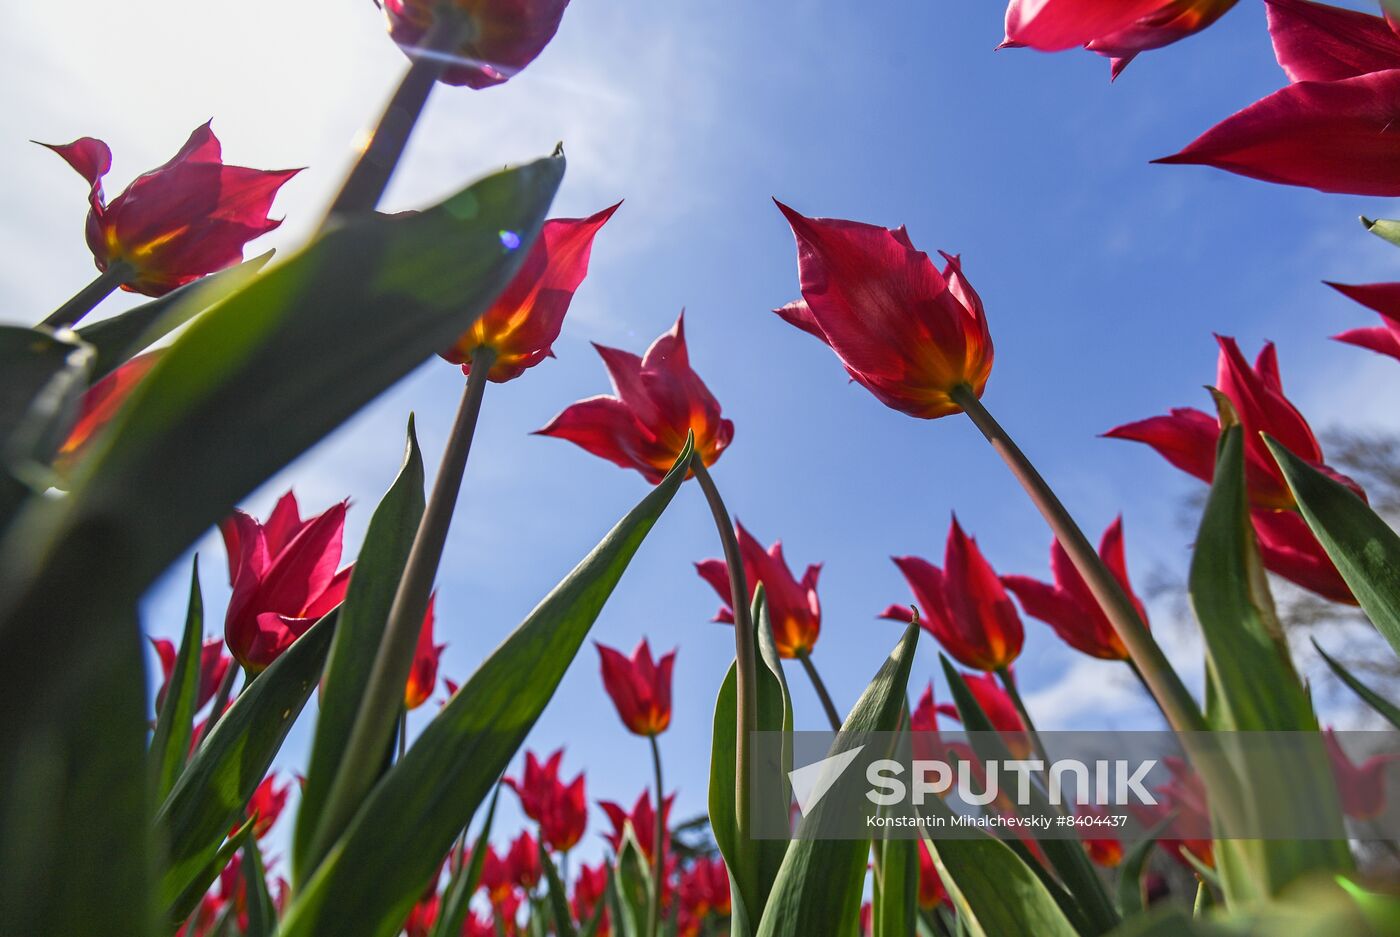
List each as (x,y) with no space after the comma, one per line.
(996,894)
(631,883)
(229,765)
(262,912)
(1388,230)
(1361,545)
(170,743)
(42,378)
(251,384)
(363,616)
(558,896)
(1373,699)
(1132,867)
(378,867)
(456,901)
(390,291)
(752,863)
(818,889)
(185,904)
(895,898)
(119,338)
(1083,898)
(1254,687)
(62,824)
(30,360)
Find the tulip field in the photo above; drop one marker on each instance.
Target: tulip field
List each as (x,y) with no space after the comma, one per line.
(300,761)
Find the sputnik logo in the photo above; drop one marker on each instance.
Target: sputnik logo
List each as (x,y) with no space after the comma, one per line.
(811,783)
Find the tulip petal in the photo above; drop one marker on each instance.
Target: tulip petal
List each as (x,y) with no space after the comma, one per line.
(1319,42)
(1186,439)
(1056,25)
(1335,136)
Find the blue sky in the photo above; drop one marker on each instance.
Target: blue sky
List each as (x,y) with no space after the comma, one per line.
(1103,277)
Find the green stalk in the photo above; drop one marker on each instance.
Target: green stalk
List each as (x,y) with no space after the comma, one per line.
(365,185)
(1171,694)
(746,673)
(658,861)
(87,298)
(221,697)
(1009,682)
(383,694)
(832,716)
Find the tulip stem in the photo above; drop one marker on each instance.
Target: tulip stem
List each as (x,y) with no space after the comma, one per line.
(221,697)
(658,860)
(832,716)
(87,298)
(365,185)
(1171,694)
(372,732)
(1009,682)
(403,733)
(746,689)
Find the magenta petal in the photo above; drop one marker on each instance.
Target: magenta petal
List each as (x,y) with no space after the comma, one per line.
(1319,42)
(1335,136)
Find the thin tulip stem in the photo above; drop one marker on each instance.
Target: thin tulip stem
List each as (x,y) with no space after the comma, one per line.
(658,860)
(746,687)
(87,298)
(221,697)
(832,716)
(1009,682)
(365,185)
(371,733)
(403,733)
(1171,694)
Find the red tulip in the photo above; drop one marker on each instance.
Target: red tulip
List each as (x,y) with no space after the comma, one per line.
(523,861)
(1335,136)
(1069,607)
(1171,22)
(793,604)
(523,323)
(423,676)
(1383,298)
(1318,42)
(642,819)
(931,890)
(505,35)
(1187,437)
(560,809)
(1118,30)
(1288,548)
(175,224)
(1361,787)
(213,667)
(660,399)
(422,917)
(906,331)
(1000,711)
(1184,796)
(1106,850)
(590,890)
(639,687)
(496,878)
(284,578)
(704,888)
(266,805)
(1056,25)
(963,605)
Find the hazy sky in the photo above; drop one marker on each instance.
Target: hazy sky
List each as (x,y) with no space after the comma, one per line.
(1103,277)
